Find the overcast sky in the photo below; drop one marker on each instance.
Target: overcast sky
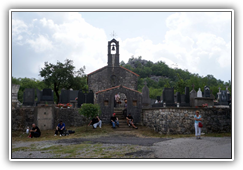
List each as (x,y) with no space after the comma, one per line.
(197,41)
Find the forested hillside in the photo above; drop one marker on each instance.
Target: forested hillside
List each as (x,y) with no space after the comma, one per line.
(159,75)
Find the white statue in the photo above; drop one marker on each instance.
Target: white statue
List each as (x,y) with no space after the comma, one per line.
(199,93)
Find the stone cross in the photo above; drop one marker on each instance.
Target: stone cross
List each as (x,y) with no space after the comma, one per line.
(193,86)
(227,89)
(145,83)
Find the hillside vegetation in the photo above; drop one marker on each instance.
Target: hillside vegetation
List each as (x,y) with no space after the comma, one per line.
(159,75)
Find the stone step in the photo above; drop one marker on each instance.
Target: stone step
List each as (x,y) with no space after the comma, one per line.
(118,110)
(123,128)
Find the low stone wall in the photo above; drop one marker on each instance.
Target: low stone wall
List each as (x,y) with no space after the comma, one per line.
(22,117)
(70,117)
(25,116)
(181,120)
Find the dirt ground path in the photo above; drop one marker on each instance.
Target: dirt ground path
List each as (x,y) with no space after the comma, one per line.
(125,146)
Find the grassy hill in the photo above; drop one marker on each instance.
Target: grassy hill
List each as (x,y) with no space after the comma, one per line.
(159,75)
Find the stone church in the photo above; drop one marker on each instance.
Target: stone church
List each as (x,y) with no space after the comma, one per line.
(112,79)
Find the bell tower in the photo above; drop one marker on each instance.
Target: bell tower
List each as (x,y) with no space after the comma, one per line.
(113,59)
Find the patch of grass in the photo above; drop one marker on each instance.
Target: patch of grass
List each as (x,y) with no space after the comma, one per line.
(20,149)
(81,131)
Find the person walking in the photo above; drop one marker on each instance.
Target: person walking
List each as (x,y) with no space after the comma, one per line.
(197,119)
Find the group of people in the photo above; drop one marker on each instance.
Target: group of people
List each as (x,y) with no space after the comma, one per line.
(95,122)
(35,131)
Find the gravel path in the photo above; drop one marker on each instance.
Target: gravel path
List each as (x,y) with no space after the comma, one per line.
(208,147)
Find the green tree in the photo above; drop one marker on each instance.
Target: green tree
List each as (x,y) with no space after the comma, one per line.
(90,111)
(180,85)
(62,75)
(27,83)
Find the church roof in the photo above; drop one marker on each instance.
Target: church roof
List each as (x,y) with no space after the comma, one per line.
(120,66)
(129,71)
(97,70)
(116,87)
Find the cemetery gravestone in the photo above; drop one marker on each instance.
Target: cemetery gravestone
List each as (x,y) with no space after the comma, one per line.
(206,91)
(199,93)
(73,94)
(90,97)
(47,95)
(187,96)
(178,97)
(64,97)
(193,95)
(145,93)
(158,98)
(168,96)
(15,90)
(223,97)
(29,97)
(81,98)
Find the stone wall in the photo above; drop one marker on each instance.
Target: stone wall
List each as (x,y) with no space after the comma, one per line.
(101,79)
(181,120)
(70,117)
(25,116)
(22,117)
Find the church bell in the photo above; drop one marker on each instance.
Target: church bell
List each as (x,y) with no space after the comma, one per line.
(113,47)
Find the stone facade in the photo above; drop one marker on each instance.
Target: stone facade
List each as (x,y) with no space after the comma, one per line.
(106,101)
(113,79)
(181,120)
(108,77)
(113,74)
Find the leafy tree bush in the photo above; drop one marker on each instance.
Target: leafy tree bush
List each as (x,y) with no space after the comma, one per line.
(89,110)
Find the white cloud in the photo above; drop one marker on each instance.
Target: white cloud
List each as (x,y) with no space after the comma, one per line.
(40,44)
(18,27)
(193,41)
(73,38)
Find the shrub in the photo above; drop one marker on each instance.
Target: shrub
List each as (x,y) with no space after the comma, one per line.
(89,110)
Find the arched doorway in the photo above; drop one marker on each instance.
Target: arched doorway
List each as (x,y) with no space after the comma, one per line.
(120,103)
(106,99)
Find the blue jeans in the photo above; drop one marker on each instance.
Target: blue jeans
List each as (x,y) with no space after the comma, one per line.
(97,124)
(114,123)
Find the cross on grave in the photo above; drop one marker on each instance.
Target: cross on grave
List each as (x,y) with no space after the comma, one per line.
(193,86)
(145,83)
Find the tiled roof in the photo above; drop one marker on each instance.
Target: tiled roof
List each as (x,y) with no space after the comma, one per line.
(129,71)
(116,88)
(97,70)
(120,66)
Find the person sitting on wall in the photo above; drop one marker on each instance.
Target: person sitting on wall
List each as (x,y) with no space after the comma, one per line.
(95,122)
(114,121)
(34,132)
(130,121)
(60,128)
